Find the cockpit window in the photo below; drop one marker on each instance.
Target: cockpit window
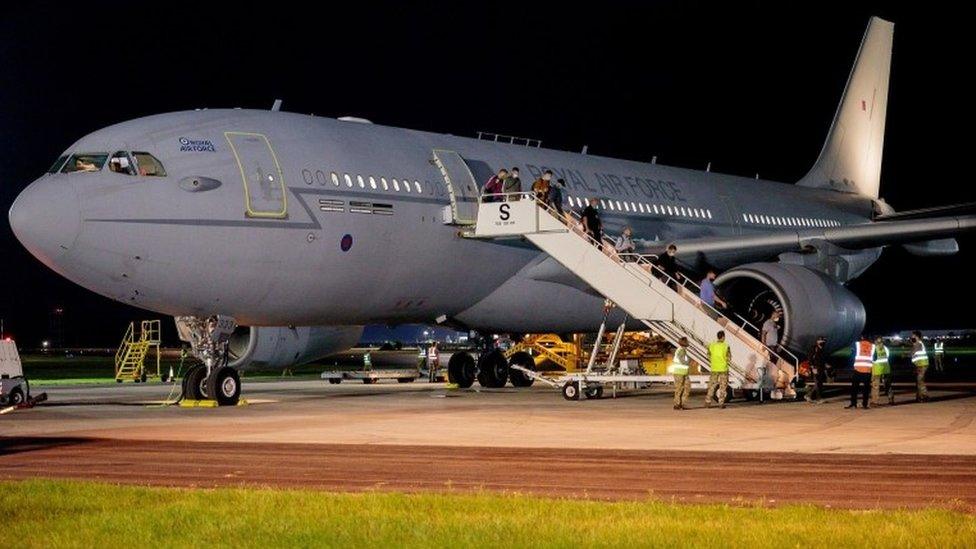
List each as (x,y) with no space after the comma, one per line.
(85,162)
(57,164)
(147,164)
(121,163)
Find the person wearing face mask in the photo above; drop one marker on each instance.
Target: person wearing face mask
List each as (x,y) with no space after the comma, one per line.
(592,225)
(541,186)
(624,244)
(669,266)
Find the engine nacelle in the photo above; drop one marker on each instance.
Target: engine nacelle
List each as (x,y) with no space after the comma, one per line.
(279,347)
(812,303)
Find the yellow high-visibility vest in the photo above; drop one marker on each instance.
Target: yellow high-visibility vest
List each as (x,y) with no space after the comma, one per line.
(679,363)
(920,357)
(717,357)
(881,366)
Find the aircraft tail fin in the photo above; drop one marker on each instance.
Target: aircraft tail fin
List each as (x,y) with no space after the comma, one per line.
(850,160)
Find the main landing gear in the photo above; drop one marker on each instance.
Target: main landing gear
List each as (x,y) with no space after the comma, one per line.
(213,379)
(492,370)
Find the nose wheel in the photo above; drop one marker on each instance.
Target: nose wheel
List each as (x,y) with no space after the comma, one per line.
(213,379)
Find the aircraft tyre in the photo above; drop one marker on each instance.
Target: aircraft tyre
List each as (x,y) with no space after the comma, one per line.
(461,370)
(16,397)
(194,383)
(517,377)
(493,370)
(224,385)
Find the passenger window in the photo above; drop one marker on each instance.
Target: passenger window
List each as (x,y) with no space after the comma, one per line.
(372,182)
(417,186)
(85,162)
(148,165)
(386,187)
(396,185)
(359,179)
(347,179)
(121,163)
(335,179)
(406,185)
(57,164)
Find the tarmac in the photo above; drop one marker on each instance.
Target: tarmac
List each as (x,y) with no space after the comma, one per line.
(408,437)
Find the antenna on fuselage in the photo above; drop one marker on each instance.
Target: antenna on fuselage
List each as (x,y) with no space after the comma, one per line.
(654,159)
(276,106)
(585,148)
(708,167)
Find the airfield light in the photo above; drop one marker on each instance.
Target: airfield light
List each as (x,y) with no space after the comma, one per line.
(45,344)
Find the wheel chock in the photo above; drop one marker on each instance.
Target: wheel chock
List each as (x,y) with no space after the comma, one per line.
(190,403)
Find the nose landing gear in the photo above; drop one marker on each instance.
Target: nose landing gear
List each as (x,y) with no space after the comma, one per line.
(208,339)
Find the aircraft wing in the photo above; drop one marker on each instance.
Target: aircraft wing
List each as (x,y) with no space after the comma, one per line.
(910,232)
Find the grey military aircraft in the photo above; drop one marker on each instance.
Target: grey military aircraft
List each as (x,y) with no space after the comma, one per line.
(273,237)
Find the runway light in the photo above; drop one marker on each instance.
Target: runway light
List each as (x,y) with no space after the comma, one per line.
(45,344)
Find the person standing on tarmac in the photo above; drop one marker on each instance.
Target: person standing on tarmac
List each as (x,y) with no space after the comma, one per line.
(861,376)
(920,359)
(938,349)
(433,362)
(881,373)
(818,371)
(719,356)
(679,369)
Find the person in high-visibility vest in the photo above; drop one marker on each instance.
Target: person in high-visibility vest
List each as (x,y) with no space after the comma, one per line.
(938,348)
(881,373)
(433,362)
(861,378)
(679,369)
(719,356)
(920,358)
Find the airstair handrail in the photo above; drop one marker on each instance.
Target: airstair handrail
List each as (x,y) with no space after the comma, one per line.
(641,260)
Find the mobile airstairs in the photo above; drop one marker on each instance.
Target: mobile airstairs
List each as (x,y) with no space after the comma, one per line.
(638,287)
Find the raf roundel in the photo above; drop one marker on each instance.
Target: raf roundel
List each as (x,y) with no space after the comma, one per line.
(346,242)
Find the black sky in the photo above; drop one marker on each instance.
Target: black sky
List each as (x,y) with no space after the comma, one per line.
(748,86)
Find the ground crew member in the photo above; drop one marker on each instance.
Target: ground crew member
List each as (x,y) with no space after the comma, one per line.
(433,362)
(679,369)
(920,359)
(719,356)
(939,348)
(861,378)
(881,373)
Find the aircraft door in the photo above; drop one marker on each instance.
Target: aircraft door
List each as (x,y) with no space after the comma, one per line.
(461,186)
(264,185)
(733,214)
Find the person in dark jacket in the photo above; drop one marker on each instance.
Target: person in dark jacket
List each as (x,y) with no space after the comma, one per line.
(669,265)
(592,225)
(512,185)
(818,371)
(555,197)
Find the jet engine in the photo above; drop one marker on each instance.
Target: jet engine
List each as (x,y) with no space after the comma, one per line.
(253,347)
(812,303)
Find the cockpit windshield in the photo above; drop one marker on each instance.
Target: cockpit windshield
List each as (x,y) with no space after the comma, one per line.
(85,162)
(122,162)
(147,164)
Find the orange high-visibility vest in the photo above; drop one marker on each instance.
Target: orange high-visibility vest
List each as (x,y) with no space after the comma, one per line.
(864,356)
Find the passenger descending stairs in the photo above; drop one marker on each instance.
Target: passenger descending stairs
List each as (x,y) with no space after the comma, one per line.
(634,286)
(130,358)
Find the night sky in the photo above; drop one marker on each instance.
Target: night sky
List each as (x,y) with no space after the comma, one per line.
(751,87)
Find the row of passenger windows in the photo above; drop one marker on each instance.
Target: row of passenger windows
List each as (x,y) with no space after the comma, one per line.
(375,183)
(644,208)
(781,221)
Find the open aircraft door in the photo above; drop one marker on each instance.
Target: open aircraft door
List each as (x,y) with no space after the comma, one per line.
(264,186)
(461,188)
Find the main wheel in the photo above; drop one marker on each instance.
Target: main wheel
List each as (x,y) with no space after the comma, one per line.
(571,391)
(405,380)
(369,380)
(224,386)
(194,383)
(493,370)
(16,396)
(335,380)
(518,377)
(461,370)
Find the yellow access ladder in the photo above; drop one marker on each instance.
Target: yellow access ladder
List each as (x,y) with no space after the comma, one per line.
(130,358)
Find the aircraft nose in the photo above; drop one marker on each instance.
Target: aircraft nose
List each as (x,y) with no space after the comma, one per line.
(45,218)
